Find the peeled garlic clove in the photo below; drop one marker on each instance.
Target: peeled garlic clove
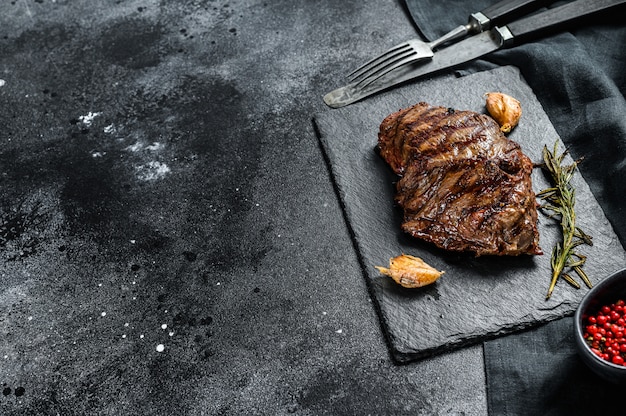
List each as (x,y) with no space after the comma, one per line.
(505,109)
(409,271)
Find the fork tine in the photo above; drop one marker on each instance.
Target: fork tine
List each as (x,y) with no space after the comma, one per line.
(381,59)
(390,66)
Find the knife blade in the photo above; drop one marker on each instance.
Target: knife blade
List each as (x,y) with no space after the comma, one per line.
(475,47)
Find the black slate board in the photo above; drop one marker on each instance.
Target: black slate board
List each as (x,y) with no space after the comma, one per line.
(477,298)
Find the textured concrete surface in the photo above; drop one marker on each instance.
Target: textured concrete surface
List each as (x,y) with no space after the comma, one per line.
(170,239)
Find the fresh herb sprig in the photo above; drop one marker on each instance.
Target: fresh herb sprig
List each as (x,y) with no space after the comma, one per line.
(560,200)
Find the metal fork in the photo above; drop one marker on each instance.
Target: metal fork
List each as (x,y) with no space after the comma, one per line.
(402,54)
(416,50)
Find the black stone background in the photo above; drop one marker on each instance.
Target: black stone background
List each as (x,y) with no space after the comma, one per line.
(159,166)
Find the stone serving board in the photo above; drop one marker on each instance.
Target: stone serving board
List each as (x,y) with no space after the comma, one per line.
(477,298)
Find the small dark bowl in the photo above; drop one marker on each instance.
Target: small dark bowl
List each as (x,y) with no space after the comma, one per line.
(606,292)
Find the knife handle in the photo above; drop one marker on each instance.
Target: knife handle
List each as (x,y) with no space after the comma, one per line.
(505,11)
(538,24)
(494,15)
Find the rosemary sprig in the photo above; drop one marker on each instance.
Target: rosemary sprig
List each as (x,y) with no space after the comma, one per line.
(559,200)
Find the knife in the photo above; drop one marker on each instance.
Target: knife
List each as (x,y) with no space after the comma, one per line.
(494,15)
(474,47)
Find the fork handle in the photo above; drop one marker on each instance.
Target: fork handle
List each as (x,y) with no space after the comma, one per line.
(505,11)
(537,25)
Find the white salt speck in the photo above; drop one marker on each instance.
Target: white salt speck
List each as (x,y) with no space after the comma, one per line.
(30,318)
(126,324)
(135,147)
(218,283)
(133,241)
(2,83)
(109,129)
(155,146)
(99,284)
(171,333)
(141,336)
(164,326)
(6,356)
(124,336)
(324,313)
(103,314)
(160,348)
(88,118)
(98,154)
(152,171)
(339,331)
(134,297)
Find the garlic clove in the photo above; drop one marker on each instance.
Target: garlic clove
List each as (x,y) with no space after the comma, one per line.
(504,109)
(409,271)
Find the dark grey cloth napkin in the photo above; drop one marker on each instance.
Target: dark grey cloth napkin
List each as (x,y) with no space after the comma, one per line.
(579,78)
(539,373)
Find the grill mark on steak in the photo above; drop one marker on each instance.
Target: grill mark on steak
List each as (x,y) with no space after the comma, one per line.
(464,186)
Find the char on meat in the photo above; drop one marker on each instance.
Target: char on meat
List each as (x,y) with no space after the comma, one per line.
(464,185)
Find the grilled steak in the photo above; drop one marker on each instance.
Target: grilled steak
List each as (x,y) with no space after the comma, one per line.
(464,185)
